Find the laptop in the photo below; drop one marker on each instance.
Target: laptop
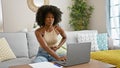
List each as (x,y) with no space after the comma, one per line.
(77,53)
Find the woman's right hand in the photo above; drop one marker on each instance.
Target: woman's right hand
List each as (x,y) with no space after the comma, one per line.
(63,58)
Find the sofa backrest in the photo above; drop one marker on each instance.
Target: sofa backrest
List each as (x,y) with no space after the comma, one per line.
(33,44)
(25,44)
(71,37)
(17,42)
(83,36)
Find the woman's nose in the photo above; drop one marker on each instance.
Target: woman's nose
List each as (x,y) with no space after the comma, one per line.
(51,18)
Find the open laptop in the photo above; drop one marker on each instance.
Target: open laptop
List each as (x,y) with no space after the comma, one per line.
(77,53)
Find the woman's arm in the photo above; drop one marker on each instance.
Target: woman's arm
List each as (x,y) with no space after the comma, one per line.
(64,37)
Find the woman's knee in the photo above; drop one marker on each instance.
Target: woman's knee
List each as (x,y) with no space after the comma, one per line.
(40,59)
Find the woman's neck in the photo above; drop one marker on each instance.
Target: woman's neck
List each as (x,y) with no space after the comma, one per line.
(48,28)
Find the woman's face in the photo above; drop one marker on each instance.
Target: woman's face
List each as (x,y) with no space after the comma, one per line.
(49,19)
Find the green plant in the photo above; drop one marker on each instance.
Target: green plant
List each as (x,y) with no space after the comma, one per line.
(80,14)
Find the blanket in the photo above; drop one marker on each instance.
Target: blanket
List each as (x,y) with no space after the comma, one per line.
(107,56)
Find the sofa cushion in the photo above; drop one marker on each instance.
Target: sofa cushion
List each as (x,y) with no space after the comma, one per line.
(88,36)
(33,44)
(13,62)
(17,42)
(102,41)
(5,51)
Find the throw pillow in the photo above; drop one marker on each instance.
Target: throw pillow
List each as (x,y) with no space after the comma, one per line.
(89,36)
(102,41)
(61,51)
(5,51)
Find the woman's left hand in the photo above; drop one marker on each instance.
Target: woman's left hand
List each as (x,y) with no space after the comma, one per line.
(55,48)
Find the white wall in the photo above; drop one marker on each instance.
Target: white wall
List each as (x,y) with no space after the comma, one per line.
(1,22)
(16,15)
(98,19)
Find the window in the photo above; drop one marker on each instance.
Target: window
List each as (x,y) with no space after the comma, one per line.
(114,21)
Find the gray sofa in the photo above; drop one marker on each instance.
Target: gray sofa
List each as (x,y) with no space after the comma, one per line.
(25,46)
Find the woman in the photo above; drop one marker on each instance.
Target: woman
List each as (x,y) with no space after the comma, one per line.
(48,17)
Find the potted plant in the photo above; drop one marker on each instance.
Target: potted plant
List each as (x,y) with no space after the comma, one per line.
(80,14)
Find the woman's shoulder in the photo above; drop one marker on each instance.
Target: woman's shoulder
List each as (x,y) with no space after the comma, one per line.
(40,30)
(57,27)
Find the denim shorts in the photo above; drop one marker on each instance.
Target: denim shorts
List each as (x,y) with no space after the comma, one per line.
(43,56)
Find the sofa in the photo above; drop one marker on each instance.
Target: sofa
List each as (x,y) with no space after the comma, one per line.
(25,45)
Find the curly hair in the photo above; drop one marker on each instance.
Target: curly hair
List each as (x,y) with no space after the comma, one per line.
(44,10)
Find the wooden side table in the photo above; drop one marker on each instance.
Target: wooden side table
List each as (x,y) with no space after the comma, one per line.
(91,64)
